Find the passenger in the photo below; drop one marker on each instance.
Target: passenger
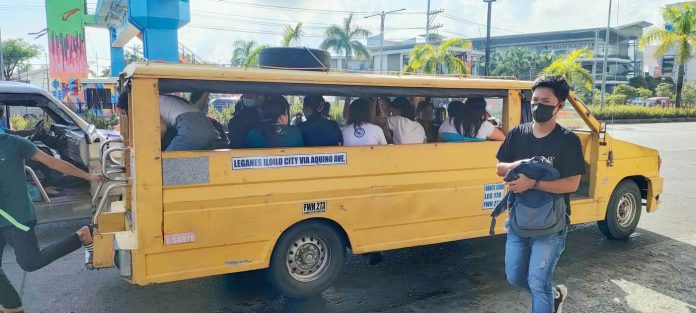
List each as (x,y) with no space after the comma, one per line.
(273,130)
(318,129)
(193,129)
(425,113)
(298,119)
(247,113)
(470,123)
(383,111)
(402,123)
(359,131)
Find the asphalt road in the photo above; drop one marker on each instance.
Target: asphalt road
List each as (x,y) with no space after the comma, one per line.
(654,271)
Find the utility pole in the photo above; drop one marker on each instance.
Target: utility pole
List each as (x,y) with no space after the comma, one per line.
(2,62)
(429,17)
(606,52)
(488,38)
(381,35)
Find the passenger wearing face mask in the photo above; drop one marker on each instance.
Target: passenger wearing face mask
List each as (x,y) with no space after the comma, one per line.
(543,137)
(273,129)
(246,114)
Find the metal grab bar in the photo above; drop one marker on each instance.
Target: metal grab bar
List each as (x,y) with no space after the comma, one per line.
(102,203)
(106,144)
(38,184)
(107,154)
(95,196)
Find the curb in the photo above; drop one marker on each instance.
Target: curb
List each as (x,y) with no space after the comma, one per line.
(650,120)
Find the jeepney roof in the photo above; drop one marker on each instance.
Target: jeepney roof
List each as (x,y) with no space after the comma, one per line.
(215,72)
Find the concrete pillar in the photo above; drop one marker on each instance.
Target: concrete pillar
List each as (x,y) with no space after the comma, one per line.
(117,60)
(159,21)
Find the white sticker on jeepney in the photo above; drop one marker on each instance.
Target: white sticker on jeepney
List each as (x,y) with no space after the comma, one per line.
(294,160)
(492,195)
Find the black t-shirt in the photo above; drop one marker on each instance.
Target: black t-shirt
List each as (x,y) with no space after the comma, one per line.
(318,132)
(562,147)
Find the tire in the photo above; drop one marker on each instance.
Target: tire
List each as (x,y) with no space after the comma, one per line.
(307,241)
(295,58)
(623,211)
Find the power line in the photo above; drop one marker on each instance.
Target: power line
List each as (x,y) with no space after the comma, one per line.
(459,19)
(285,8)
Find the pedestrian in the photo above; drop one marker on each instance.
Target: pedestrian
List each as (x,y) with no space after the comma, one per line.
(18,218)
(530,261)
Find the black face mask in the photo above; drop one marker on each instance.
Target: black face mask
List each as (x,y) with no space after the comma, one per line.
(542,113)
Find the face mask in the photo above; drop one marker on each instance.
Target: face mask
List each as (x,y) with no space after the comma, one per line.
(542,113)
(249,102)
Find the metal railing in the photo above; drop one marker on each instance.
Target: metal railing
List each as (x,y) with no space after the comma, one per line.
(114,171)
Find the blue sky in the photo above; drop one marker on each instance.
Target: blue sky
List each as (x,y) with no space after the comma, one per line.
(467,18)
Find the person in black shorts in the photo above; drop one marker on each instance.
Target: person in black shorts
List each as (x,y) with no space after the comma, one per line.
(530,261)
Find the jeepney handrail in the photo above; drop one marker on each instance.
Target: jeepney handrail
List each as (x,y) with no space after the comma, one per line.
(38,184)
(104,198)
(106,144)
(107,155)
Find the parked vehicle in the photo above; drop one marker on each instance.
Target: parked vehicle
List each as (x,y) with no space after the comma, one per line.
(297,211)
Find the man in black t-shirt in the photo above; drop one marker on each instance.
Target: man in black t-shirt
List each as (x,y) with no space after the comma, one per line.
(530,261)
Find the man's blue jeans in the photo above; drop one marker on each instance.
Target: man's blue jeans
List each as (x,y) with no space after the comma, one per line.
(529,264)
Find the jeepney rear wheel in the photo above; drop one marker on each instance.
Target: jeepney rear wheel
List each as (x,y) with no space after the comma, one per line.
(623,211)
(307,259)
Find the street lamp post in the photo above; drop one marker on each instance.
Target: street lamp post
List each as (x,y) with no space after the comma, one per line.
(488,38)
(606,52)
(381,34)
(2,67)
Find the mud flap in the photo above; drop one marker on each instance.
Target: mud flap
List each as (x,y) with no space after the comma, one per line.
(103,251)
(655,185)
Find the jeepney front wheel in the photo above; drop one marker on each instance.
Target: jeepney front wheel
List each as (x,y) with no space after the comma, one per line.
(623,211)
(307,259)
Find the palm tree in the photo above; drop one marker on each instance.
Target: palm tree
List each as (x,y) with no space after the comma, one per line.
(515,62)
(246,53)
(292,35)
(569,67)
(430,60)
(681,38)
(344,39)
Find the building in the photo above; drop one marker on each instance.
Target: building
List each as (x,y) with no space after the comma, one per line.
(666,64)
(624,60)
(394,55)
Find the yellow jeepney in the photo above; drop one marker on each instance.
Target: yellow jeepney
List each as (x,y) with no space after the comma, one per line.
(296,211)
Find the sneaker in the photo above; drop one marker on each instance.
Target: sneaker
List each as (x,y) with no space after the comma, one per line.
(560,294)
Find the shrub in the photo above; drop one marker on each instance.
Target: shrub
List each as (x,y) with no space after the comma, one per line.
(626,90)
(665,90)
(18,123)
(101,122)
(644,93)
(620,112)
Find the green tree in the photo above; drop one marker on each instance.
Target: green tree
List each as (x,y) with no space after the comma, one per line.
(626,90)
(664,90)
(430,60)
(16,52)
(617,99)
(682,38)
(689,93)
(569,67)
(106,72)
(345,39)
(246,53)
(292,35)
(644,92)
(134,54)
(515,62)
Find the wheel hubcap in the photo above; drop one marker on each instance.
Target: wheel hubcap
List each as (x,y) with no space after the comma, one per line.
(626,210)
(308,258)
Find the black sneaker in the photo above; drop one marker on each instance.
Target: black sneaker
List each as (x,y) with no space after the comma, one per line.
(560,294)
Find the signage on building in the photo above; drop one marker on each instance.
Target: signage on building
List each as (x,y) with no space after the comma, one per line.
(667,65)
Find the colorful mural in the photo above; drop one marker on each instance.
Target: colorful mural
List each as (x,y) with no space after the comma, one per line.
(66,49)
